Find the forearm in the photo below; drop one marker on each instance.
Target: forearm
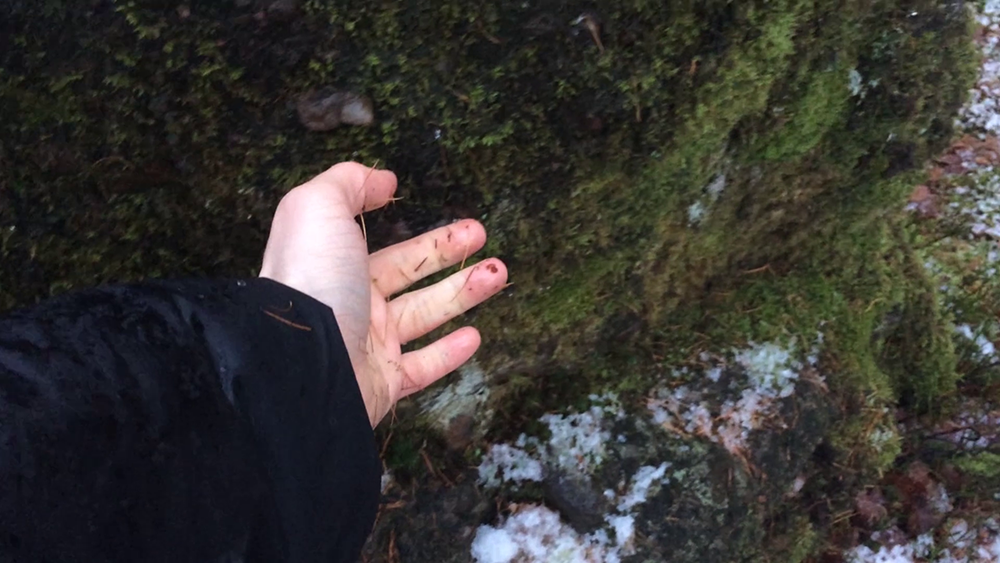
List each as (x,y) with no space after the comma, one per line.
(182,421)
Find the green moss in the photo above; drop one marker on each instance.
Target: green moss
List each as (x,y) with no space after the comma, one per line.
(797,546)
(824,103)
(920,350)
(981,465)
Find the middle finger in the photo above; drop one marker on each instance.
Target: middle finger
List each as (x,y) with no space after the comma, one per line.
(399,266)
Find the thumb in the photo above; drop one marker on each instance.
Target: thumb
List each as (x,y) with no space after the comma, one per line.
(361,188)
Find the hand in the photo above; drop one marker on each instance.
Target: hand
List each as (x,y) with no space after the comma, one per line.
(317,247)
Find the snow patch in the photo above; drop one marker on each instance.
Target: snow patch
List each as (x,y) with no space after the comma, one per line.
(975,428)
(492,545)
(642,482)
(855,83)
(535,533)
(504,463)
(964,544)
(697,211)
(578,440)
(771,372)
(986,348)
(982,111)
(979,205)
(578,444)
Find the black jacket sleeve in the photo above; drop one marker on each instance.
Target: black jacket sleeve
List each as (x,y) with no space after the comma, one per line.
(190,421)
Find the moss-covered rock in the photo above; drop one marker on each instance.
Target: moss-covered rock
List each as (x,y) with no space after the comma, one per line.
(663,180)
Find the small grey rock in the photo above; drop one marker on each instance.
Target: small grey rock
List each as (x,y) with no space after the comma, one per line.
(577,499)
(325,109)
(357,110)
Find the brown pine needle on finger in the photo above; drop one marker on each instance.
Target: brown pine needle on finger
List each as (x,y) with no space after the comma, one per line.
(365,182)
(361,191)
(467,278)
(465,255)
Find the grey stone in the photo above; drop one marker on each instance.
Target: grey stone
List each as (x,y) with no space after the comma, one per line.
(577,499)
(357,110)
(325,109)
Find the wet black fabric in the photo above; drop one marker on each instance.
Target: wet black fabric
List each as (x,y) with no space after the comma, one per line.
(190,421)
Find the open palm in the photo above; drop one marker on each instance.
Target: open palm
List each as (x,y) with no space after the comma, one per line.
(317,247)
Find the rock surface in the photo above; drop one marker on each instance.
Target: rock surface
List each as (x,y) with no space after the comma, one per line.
(666,185)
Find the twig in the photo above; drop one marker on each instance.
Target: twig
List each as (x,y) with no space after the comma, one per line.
(286,321)
(393,552)
(385,444)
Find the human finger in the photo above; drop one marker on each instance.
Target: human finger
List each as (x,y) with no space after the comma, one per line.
(399,266)
(362,188)
(419,312)
(421,368)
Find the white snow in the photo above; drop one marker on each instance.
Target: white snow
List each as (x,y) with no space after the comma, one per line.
(981,111)
(797,485)
(986,348)
(964,544)
(643,480)
(980,202)
(881,437)
(505,463)
(492,545)
(578,440)
(535,533)
(697,211)
(906,553)
(716,187)
(975,428)
(979,205)
(577,443)
(855,83)
(938,499)
(771,368)
(624,527)
(771,373)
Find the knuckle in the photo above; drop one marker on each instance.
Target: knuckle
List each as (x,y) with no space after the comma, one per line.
(295,199)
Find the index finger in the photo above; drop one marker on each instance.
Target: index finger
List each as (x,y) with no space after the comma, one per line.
(361,187)
(401,265)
